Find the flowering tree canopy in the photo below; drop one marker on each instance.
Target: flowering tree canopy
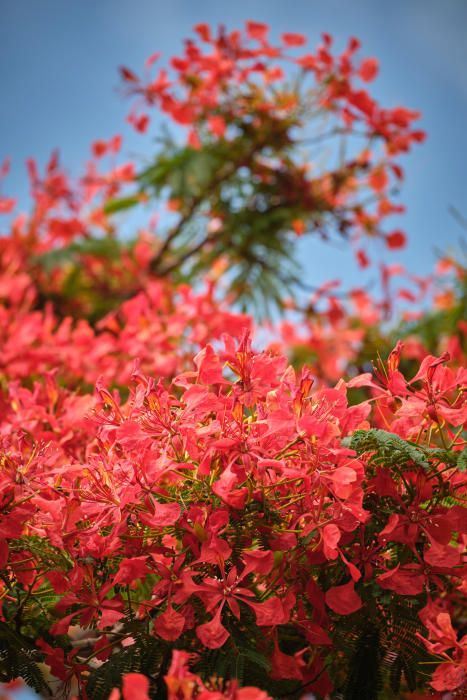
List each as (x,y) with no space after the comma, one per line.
(184,514)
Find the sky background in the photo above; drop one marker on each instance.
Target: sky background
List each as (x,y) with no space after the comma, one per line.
(59,83)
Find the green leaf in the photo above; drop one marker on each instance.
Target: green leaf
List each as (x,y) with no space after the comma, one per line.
(389,446)
(257,658)
(147,656)
(113,206)
(108,248)
(19,659)
(462,461)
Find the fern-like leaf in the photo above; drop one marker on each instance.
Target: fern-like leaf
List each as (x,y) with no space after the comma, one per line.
(19,659)
(147,656)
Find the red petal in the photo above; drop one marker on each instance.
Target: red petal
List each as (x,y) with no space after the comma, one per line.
(165,514)
(271,612)
(344,475)
(396,239)
(368,69)
(131,569)
(284,666)
(170,624)
(204,31)
(135,687)
(213,634)
(209,366)
(257,30)
(331,535)
(7,205)
(448,677)
(291,39)
(404,580)
(437,555)
(343,599)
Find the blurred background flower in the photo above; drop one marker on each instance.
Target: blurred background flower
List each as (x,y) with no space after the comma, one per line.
(58,69)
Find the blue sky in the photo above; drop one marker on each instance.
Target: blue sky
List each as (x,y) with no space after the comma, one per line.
(58,72)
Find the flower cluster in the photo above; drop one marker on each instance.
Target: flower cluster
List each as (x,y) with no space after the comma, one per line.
(235,504)
(230,84)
